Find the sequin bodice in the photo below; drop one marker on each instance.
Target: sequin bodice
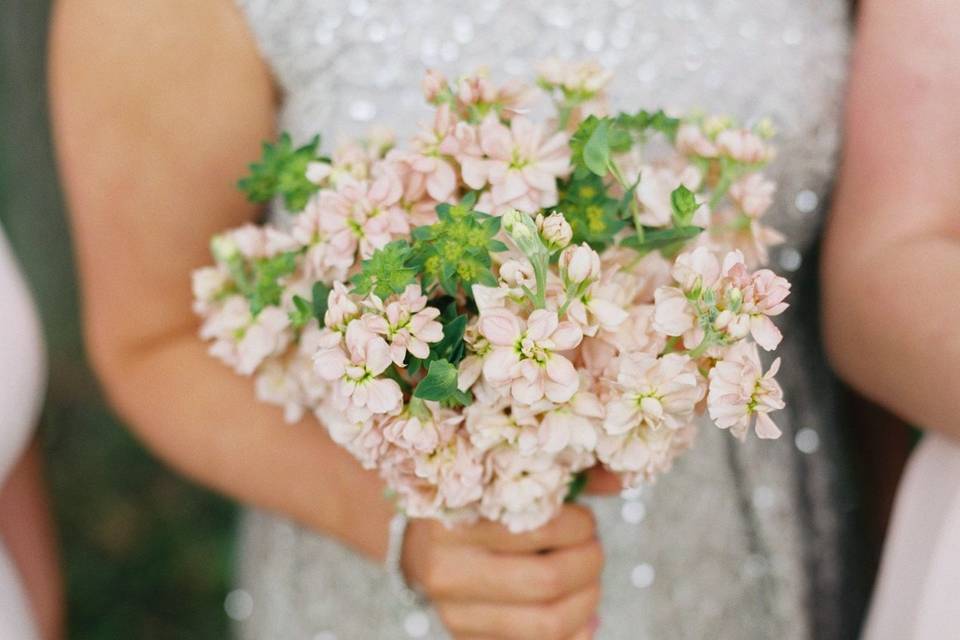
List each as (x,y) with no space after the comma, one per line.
(736,543)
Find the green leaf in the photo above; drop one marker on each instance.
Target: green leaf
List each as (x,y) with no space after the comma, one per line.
(596,153)
(440,383)
(282,171)
(321,298)
(662,239)
(387,271)
(684,204)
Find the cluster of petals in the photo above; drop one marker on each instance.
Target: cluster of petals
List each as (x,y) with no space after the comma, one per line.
(526,355)
(740,391)
(521,163)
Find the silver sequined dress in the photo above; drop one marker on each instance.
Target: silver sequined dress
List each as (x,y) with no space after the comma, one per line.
(737,542)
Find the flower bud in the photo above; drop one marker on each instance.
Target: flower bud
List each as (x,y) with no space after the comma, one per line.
(579,263)
(521,229)
(554,230)
(517,273)
(434,83)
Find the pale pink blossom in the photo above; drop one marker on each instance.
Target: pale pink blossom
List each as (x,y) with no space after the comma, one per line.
(655,393)
(642,454)
(362,437)
(740,390)
(208,283)
(585,78)
(598,309)
(657,183)
(743,146)
(489,426)
(362,216)
(673,314)
(434,83)
(761,295)
(407,324)
(691,140)
(341,308)
(526,355)
(355,366)
(579,263)
(517,273)
(522,165)
(753,194)
(278,385)
(524,491)
(572,425)
(554,230)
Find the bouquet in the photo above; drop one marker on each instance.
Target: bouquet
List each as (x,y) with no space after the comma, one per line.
(509,300)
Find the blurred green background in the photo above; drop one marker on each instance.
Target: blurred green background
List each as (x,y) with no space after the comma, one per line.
(146,555)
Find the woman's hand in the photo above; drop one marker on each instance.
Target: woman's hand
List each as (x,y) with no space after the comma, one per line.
(489,584)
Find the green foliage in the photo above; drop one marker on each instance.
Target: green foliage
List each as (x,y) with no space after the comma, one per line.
(440,385)
(282,171)
(684,204)
(593,215)
(259,280)
(667,241)
(304,311)
(596,140)
(455,250)
(387,271)
(642,122)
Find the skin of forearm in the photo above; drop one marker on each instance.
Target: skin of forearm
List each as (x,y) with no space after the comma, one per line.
(892,327)
(205,421)
(28,532)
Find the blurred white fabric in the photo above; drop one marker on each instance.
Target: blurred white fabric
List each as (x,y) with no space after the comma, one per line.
(918,591)
(22,379)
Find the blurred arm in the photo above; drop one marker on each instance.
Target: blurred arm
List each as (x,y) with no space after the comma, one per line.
(891,271)
(158,106)
(29,535)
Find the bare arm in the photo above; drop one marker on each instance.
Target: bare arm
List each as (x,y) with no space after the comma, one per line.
(29,534)
(158,105)
(892,259)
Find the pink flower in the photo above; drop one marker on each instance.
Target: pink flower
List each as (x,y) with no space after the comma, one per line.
(526,356)
(599,308)
(341,308)
(692,141)
(579,263)
(656,186)
(355,370)
(434,83)
(407,324)
(654,393)
(361,215)
(362,437)
(421,429)
(522,165)
(753,194)
(762,296)
(743,146)
(489,426)
(524,491)
(643,454)
(673,314)
(573,425)
(740,390)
